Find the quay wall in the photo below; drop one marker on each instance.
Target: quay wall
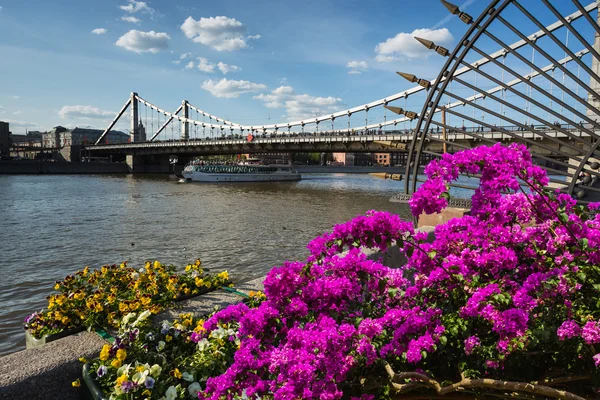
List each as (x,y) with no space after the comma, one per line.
(60,167)
(329,169)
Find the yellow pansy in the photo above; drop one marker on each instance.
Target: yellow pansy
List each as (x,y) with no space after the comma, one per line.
(122,379)
(76,383)
(116,363)
(157,264)
(176,373)
(104,353)
(57,286)
(199,281)
(121,354)
(168,338)
(223,275)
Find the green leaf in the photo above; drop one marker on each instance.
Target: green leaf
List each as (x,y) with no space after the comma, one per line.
(443,340)
(563,217)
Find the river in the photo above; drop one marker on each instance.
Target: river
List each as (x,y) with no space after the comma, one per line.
(51,226)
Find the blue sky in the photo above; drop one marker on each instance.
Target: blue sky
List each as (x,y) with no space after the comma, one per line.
(74,63)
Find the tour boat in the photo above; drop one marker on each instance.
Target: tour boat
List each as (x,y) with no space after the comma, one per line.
(240,173)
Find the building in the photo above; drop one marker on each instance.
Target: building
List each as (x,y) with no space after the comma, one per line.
(71,142)
(28,146)
(352,159)
(382,159)
(4,139)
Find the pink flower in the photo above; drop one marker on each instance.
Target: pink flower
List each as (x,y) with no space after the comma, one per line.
(568,330)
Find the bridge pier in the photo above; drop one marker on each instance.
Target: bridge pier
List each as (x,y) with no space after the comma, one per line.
(150,164)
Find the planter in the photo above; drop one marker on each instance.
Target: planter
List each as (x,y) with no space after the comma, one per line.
(31,342)
(92,390)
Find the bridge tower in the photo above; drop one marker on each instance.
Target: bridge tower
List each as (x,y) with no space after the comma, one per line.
(185,126)
(134,132)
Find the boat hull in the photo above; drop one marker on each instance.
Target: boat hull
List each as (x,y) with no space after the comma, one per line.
(225,177)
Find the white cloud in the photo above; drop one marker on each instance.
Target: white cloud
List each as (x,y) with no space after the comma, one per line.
(177,62)
(356,67)
(404,45)
(84,112)
(131,19)
(205,66)
(185,55)
(99,31)
(226,68)
(133,7)
(15,97)
(16,112)
(230,88)
(141,42)
(189,65)
(220,33)
(299,105)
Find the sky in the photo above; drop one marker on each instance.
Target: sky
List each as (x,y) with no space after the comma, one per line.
(74,63)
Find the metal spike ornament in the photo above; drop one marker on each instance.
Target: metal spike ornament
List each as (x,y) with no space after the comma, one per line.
(412,78)
(400,111)
(444,52)
(464,17)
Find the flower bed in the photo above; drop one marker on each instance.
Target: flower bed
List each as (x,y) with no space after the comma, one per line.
(100,298)
(166,362)
(504,303)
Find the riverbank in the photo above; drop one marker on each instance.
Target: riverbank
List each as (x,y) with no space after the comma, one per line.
(329,169)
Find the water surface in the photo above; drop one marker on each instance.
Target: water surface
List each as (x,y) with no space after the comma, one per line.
(51,226)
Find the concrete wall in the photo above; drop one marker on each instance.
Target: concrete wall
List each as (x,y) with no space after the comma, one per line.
(316,169)
(48,167)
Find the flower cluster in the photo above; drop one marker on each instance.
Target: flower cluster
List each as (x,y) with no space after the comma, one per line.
(168,361)
(510,292)
(100,298)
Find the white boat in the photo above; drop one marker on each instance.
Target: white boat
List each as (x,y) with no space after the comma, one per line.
(240,173)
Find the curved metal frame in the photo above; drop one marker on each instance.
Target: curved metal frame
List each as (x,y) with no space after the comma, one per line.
(457,58)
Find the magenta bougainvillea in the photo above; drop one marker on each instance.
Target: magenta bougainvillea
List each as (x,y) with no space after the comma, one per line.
(510,292)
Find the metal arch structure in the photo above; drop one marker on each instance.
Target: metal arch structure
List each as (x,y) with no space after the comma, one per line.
(545,98)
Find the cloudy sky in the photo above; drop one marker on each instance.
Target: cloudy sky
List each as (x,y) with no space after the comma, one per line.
(68,62)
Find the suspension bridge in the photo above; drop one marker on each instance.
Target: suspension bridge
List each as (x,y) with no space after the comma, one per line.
(513,76)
